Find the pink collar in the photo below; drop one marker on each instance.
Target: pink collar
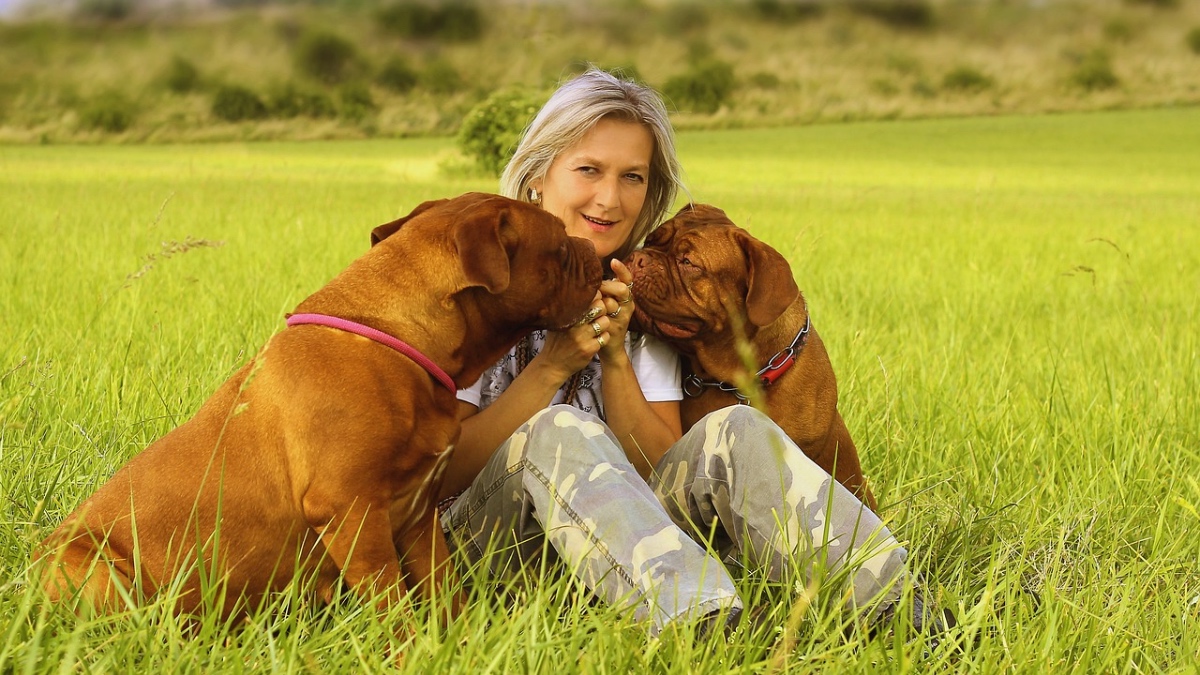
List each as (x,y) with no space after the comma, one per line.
(378,336)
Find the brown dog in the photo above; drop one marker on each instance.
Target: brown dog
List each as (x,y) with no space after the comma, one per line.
(320,457)
(697,269)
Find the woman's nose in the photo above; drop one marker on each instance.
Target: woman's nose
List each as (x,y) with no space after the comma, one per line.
(608,193)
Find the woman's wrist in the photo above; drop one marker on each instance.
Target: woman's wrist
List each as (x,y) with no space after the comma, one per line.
(546,373)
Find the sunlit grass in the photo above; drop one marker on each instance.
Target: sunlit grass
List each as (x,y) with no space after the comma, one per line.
(1009,304)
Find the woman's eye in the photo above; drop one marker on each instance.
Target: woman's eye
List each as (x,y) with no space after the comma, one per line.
(586,170)
(635,177)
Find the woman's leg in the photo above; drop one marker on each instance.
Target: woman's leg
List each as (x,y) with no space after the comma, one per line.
(737,475)
(563,474)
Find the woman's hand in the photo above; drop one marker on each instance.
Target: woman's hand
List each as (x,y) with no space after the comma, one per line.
(602,330)
(568,350)
(617,298)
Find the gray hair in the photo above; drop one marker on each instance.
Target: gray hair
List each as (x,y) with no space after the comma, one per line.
(570,113)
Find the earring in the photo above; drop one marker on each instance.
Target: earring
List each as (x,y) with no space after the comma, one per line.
(534,197)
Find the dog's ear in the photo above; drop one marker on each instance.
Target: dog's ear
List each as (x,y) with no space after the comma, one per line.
(482,252)
(771,287)
(388,229)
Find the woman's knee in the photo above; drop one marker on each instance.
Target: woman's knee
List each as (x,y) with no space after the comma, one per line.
(752,431)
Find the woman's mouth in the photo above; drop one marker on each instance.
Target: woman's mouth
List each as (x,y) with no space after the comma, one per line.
(598,224)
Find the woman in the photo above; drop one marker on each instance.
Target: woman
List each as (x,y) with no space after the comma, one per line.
(575,436)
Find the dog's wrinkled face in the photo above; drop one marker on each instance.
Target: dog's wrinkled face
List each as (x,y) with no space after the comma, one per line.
(697,270)
(534,274)
(561,272)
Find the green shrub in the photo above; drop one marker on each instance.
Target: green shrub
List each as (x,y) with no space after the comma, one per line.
(356,102)
(111,111)
(765,80)
(491,130)
(1118,30)
(397,76)
(1193,40)
(966,78)
(909,14)
(680,18)
(703,89)
(1094,72)
(440,77)
(327,57)
(104,10)
(234,103)
(181,75)
(292,101)
(456,20)
(786,11)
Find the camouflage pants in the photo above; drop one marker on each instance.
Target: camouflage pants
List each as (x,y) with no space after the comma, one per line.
(734,480)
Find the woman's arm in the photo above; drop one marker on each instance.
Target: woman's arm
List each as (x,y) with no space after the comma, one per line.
(646,430)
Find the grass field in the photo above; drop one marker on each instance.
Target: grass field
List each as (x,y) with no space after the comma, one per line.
(1010,304)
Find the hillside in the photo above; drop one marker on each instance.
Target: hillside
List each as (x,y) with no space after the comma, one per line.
(358,68)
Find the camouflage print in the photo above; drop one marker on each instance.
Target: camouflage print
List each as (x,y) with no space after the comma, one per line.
(564,474)
(737,475)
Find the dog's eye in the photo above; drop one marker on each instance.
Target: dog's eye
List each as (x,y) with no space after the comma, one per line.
(687,262)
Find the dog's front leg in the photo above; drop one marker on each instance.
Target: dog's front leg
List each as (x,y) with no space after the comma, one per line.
(358,538)
(425,559)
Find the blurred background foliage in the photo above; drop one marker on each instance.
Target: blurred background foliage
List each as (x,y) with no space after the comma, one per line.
(205,70)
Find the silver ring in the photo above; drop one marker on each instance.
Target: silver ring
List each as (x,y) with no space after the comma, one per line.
(598,330)
(593,313)
(600,340)
(616,313)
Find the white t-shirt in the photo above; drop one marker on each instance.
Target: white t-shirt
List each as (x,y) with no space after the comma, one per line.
(655,364)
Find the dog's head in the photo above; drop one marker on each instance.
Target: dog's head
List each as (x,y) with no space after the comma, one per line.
(533,274)
(697,269)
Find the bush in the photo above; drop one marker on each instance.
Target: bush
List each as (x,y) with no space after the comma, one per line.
(327,57)
(291,101)
(684,17)
(787,11)
(1094,72)
(909,14)
(234,103)
(356,102)
(1193,40)
(1118,30)
(765,80)
(181,76)
(397,76)
(104,10)
(966,78)
(441,78)
(456,20)
(111,111)
(703,89)
(491,130)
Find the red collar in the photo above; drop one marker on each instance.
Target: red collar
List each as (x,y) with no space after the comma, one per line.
(378,336)
(776,366)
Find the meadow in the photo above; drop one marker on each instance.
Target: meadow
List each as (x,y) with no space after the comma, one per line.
(1009,303)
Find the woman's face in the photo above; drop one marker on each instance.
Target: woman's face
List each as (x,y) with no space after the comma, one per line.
(598,185)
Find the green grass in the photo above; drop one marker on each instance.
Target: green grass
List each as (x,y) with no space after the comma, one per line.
(1010,305)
